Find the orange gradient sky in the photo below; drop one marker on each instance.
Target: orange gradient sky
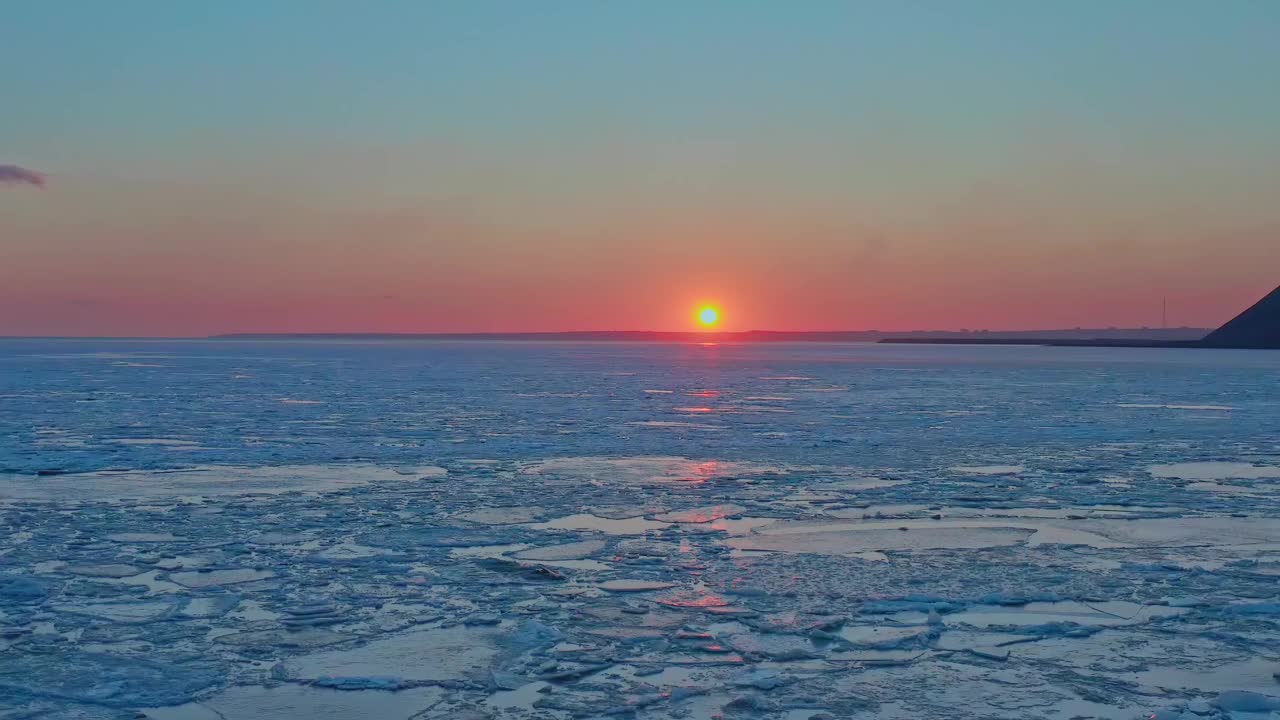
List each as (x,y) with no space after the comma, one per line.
(589,167)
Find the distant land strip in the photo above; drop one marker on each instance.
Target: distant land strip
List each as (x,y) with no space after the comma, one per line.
(1257,328)
(1034,337)
(1061,342)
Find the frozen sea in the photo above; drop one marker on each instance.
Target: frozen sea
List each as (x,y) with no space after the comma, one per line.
(244,530)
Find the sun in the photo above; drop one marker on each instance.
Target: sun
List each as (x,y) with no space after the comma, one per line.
(708,316)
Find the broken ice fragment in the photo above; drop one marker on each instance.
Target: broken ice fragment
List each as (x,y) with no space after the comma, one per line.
(142,537)
(991,653)
(702,515)
(359,683)
(229,576)
(20,589)
(503,515)
(421,656)
(482,619)
(760,679)
(566,551)
(635,585)
(249,702)
(1246,701)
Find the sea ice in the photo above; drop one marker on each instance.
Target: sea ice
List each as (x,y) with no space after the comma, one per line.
(1114,612)
(635,585)
(584,521)
(701,515)
(249,702)
(116,570)
(214,578)
(988,469)
(503,515)
(851,541)
(421,656)
(566,551)
(97,679)
(421,545)
(1215,471)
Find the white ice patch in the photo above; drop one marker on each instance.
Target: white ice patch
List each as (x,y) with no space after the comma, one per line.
(170,442)
(706,514)
(635,585)
(742,525)
(521,698)
(988,469)
(856,539)
(352,551)
(214,578)
(104,571)
(583,521)
(457,653)
(121,612)
(210,480)
(673,424)
(503,515)
(924,534)
(251,702)
(1206,471)
(866,483)
(142,537)
(640,470)
(843,538)
(1256,674)
(566,551)
(881,636)
(1109,613)
(1151,406)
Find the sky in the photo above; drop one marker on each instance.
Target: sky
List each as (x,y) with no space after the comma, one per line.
(182,168)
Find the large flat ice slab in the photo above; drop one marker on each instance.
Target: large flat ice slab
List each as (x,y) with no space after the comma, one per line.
(851,540)
(209,480)
(422,656)
(249,702)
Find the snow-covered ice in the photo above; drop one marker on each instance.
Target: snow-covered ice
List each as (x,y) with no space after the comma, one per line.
(245,530)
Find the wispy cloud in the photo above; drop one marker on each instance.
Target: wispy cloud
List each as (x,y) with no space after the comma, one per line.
(15,175)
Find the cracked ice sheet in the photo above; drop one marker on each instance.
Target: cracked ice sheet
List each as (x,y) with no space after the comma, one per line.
(856,536)
(587,521)
(421,656)
(1109,613)
(972,692)
(215,578)
(503,515)
(1215,471)
(202,481)
(855,540)
(566,551)
(661,471)
(361,567)
(295,701)
(643,470)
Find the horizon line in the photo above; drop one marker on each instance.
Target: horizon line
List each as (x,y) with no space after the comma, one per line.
(605,334)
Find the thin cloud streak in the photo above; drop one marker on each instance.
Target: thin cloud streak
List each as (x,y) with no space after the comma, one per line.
(16,175)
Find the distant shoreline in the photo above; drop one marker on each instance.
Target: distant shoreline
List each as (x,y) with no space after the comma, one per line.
(1050,342)
(1169,335)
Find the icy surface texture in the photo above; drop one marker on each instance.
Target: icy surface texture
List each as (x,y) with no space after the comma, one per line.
(233,530)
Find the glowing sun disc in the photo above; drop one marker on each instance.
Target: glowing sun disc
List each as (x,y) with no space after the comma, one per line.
(708,316)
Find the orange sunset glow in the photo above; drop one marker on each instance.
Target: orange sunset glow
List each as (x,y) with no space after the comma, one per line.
(887,166)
